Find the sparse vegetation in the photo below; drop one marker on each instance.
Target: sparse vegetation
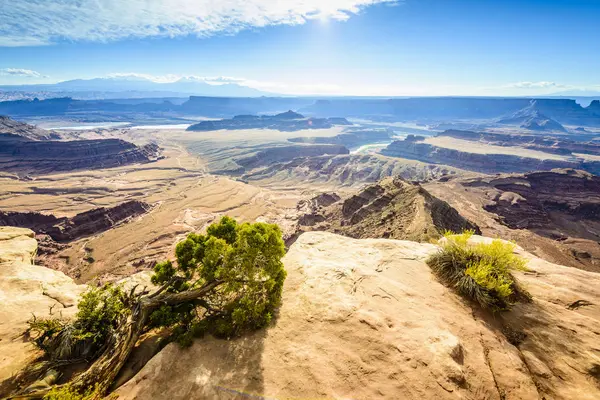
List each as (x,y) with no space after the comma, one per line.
(224,283)
(481,272)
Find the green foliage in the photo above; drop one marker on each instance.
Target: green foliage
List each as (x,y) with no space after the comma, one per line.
(245,259)
(67,392)
(99,312)
(163,272)
(241,263)
(481,272)
(226,229)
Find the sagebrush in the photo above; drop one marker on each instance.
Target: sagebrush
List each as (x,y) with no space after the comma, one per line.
(481,272)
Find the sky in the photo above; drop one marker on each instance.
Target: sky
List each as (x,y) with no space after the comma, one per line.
(329,47)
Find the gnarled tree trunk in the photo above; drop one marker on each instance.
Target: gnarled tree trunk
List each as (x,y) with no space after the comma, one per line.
(101,374)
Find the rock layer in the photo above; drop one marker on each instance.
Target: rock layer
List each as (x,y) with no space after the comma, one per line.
(553,214)
(392,208)
(483,162)
(24,156)
(287,121)
(81,225)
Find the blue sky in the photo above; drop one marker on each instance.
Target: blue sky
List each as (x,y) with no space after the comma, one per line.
(360,47)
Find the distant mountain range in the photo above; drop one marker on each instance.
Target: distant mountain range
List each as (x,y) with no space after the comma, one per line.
(126,87)
(536,114)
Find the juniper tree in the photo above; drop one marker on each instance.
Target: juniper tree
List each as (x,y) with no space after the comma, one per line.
(225,282)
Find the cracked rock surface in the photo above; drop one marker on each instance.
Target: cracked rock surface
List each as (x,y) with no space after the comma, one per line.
(365,318)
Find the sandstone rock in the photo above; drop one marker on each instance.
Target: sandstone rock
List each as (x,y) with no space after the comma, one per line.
(287,121)
(25,290)
(366,319)
(553,214)
(287,153)
(10,126)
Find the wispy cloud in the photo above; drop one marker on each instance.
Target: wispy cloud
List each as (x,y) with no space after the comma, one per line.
(21,72)
(536,85)
(40,22)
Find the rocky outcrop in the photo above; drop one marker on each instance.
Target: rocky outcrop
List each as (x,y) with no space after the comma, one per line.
(287,121)
(392,208)
(12,127)
(542,124)
(81,225)
(366,319)
(26,157)
(532,119)
(348,170)
(594,107)
(545,143)
(25,290)
(310,209)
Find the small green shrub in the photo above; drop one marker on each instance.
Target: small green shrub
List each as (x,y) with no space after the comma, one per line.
(481,272)
(99,312)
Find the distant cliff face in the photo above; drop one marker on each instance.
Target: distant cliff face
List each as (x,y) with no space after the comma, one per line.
(27,150)
(349,139)
(12,127)
(288,153)
(549,201)
(486,163)
(491,162)
(429,109)
(565,111)
(85,224)
(287,121)
(594,107)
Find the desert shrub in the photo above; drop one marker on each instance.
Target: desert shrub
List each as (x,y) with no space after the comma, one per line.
(246,258)
(99,311)
(481,272)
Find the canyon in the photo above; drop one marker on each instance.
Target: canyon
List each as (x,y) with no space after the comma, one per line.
(359,217)
(25,150)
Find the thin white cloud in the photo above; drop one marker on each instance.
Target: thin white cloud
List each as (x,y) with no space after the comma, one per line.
(21,72)
(38,22)
(136,76)
(536,85)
